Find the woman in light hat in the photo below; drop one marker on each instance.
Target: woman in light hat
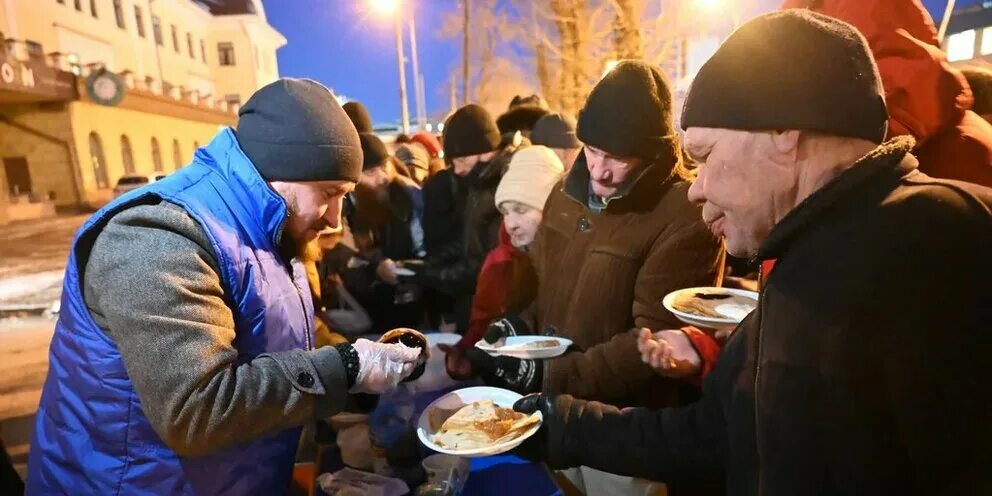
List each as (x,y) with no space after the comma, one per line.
(520,197)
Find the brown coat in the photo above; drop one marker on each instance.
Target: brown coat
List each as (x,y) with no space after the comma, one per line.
(603,275)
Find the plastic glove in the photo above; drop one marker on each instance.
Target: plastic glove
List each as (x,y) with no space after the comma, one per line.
(382,366)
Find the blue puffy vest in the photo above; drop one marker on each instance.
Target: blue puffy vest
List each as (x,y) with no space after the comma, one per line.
(91,435)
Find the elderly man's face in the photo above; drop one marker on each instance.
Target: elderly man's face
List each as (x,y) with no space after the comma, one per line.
(313,206)
(607,173)
(746,184)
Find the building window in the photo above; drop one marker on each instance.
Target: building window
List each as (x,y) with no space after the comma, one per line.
(157,30)
(175,38)
(157,156)
(177,154)
(203,51)
(78,4)
(127,156)
(233,102)
(93,9)
(961,46)
(139,19)
(119,14)
(189,46)
(18,175)
(98,162)
(225,53)
(986,41)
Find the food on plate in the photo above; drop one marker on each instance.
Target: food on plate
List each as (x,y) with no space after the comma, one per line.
(438,415)
(482,424)
(709,303)
(544,343)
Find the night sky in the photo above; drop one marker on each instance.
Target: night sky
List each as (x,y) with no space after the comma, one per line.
(346,46)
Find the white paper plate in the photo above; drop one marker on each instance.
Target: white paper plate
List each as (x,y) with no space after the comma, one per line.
(514,347)
(734,315)
(501,397)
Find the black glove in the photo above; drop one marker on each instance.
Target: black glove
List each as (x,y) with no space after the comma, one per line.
(547,443)
(509,325)
(522,376)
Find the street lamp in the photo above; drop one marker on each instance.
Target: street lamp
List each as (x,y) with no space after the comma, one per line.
(385,7)
(392,7)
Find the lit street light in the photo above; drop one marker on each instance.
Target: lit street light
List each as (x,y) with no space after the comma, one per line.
(392,7)
(385,7)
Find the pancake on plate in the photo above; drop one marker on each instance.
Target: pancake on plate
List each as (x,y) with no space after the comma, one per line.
(482,424)
(707,303)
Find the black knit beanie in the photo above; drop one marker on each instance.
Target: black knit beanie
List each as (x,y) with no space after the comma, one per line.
(629,112)
(470,131)
(294,130)
(794,69)
(359,116)
(555,131)
(373,150)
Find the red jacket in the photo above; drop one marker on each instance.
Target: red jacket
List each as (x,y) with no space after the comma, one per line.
(492,289)
(926,97)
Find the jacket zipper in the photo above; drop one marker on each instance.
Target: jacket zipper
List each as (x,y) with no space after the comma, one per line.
(303,303)
(292,277)
(757,373)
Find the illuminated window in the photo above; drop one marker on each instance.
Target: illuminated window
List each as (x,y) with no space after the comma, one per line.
(225,53)
(961,46)
(986,41)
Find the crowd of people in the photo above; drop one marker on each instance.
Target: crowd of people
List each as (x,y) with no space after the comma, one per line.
(829,148)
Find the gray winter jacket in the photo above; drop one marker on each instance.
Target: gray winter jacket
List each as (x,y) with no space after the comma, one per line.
(153,285)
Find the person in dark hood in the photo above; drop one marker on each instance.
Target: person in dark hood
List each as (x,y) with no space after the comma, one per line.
(386,223)
(462,196)
(862,369)
(183,360)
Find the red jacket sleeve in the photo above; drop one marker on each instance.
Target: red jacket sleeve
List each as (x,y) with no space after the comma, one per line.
(490,300)
(707,347)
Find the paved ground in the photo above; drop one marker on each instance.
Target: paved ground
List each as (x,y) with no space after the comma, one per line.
(23,365)
(32,257)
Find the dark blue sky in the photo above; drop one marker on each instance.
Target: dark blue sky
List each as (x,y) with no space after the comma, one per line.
(346,47)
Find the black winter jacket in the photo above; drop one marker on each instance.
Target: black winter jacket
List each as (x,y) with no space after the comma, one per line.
(864,369)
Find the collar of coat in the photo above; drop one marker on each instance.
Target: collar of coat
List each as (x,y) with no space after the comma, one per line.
(886,164)
(647,186)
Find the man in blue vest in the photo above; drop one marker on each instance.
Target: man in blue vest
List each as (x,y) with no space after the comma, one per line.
(183,358)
